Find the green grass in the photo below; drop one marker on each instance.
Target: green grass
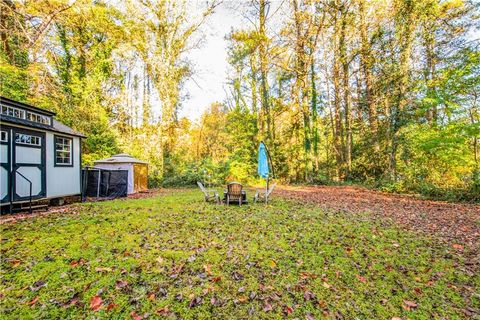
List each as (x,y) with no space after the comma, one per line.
(206,261)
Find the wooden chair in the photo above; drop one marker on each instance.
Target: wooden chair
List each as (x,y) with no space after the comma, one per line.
(263,195)
(234,192)
(209,194)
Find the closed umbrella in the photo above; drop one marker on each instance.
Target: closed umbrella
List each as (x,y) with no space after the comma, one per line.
(263,167)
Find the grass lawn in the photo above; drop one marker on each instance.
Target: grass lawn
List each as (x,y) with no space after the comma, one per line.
(175,256)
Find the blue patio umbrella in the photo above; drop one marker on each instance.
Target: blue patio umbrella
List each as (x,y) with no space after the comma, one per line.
(263,166)
(263,169)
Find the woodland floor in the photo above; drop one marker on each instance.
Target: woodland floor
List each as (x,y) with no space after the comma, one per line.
(454,223)
(338,253)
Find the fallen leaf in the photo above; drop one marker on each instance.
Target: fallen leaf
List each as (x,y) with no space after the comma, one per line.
(96,303)
(288,310)
(457,247)
(76,263)
(15,262)
(272,263)
(111,306)
(217,279)
(322,304)
(38,285)
(408,305)
(326,285)
(207,268)
(309,316)
(160,260)
(267,307)
(33,301)
(151,297)
(119,284)
(396,318)
(361,279)
(103,269)
(135,316)
(163,311)
(73,301)
(195,302)
(237,276)
(308,295)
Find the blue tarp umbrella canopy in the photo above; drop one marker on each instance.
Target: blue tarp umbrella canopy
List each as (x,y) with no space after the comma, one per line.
(263,169)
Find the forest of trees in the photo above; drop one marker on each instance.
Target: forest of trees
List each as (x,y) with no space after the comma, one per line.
(383,93)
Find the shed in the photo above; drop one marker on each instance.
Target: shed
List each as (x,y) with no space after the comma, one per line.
(40,157)
(137,170)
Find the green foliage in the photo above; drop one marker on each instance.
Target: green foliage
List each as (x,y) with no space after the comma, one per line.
(240,262)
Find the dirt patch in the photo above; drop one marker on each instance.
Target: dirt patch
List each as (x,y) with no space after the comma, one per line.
(456,224)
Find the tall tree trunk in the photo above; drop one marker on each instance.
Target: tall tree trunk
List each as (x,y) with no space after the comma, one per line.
(405,34)
(366,61)
(315,136)
(346,94)
(263,73)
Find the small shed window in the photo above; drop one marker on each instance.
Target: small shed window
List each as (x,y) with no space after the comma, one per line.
(63,151)
(35,117)
(13,112)
(3,136)
(22,138)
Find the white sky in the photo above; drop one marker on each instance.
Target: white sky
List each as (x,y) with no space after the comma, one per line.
(208,83)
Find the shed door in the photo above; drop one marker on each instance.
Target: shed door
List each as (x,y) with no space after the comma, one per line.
(28,164)
(140,175)
(5,164)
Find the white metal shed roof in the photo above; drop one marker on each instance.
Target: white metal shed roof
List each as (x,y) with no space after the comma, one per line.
(120,158)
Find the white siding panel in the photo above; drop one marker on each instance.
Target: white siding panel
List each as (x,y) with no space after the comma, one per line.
(62,181)
(22,187)
(3,153)
(3,182)
(28,155)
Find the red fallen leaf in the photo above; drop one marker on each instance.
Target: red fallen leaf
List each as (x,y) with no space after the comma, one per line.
(33,301)
(217,279)
(457,247)
(418,291)
(135,316)
(126,253)
(288,310)
(408,305)
(78,262)
(361,279)
(163,311)
(111,306)
(119,284)
(96,303)
(151,297)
